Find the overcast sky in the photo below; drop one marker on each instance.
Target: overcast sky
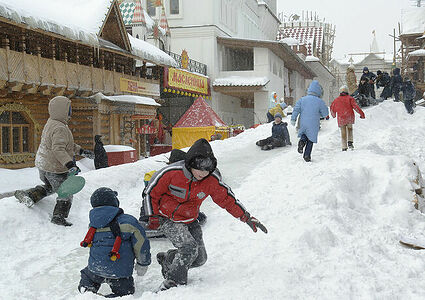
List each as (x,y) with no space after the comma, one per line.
(354,20)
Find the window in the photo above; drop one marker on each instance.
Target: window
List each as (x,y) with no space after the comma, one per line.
(238,59)
(15,133)
(151,8)
(174,7)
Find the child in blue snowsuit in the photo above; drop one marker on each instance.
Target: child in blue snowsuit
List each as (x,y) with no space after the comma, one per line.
(115,240)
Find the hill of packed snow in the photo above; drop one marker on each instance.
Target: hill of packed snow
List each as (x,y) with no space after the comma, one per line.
(334,224)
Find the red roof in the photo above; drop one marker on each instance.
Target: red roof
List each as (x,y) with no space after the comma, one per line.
(200,114)
(307,36)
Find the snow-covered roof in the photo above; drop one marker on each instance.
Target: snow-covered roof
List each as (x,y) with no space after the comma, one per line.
(117,148)
(312,58)
(150,52)
(413,20)
(419,52)
(241,81)
(127,98)
(77,22)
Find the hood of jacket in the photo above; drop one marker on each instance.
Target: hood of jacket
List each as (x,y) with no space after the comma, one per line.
(59,109)
(201,148)
(98,139)
(315,89)
(102,215)
(397,71)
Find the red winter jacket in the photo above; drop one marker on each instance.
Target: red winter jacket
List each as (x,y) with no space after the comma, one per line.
(174,193)
(344,105)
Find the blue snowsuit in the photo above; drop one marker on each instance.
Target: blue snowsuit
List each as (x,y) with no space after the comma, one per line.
(310,108)
(134,245)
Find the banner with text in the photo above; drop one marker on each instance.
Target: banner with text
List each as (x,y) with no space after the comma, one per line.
(183,81)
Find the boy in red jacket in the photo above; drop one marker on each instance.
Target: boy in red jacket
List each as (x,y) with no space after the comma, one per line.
(175,194)
(344,106)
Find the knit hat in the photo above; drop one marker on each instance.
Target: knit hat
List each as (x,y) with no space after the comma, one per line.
(202,163)
(104,197)
(278,115)
(379,72)
(343,89)
(365,69)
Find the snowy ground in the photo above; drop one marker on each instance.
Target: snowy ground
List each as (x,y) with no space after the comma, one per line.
(334,224)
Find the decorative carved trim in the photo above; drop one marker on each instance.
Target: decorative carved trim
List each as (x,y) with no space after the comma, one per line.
(16,158)
(21,108)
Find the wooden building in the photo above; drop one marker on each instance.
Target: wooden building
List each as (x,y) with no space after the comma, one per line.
(412,47)
(40,59)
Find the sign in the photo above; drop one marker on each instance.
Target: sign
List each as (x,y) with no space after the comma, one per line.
(185,59)
(142,117)
(186,81)
(139,87)
(147,129)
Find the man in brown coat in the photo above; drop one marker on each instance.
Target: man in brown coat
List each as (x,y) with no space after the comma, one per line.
(55,160)
(351,80)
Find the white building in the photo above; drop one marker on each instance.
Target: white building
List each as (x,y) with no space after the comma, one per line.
(236,40)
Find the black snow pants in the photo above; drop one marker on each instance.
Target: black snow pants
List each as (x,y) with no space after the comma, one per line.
(190,250)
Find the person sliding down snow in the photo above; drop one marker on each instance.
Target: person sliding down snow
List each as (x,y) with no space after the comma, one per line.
(55,160)
(115,240)
(175,194)
(151,224)
(280,135)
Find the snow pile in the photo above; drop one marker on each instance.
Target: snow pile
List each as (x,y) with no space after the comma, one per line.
(240,81)
(334,224)
(413,20)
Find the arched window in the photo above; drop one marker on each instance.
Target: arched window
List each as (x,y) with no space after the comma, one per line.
(15,133)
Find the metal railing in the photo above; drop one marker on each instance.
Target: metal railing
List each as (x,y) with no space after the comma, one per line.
(193,65)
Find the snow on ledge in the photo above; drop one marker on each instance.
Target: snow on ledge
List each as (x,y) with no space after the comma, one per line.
(312,58)
(290,41)
(241,81)
(117,148)
(126,98)
(419,52)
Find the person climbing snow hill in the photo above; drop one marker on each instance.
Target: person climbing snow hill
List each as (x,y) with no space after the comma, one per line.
(310,109)
(343,106)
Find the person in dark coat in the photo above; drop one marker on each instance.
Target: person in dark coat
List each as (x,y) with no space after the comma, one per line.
(383,80)
(409,93)
(100,156)
(371,77)
(396,82)
(175,194)
(280,135)
(115,239)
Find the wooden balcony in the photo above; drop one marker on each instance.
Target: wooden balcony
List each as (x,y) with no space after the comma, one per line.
(30,74)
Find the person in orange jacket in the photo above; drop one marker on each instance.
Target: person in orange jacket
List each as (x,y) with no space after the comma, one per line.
(343,106)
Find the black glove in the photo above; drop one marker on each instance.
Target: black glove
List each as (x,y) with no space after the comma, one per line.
(253,222)
(87,153)
(72,168)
